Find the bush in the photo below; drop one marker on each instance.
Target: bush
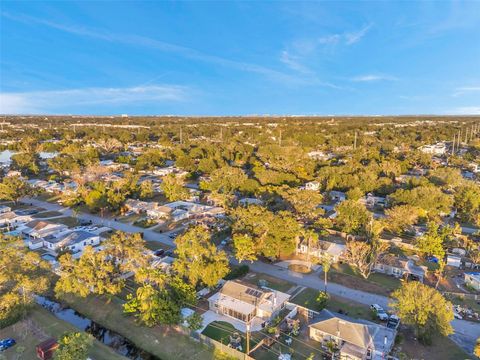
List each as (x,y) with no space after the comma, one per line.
(322,300)
(237,272)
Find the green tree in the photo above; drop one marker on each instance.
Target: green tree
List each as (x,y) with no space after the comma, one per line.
(173,188)
(467,201)
(23,274)
(353,217)
(245,249)
(74,346)
(429,198)
(199,260)
(432,243)
(146,190)
(425,309)
(400,218)
(13,188)
(476,350)
(93,273)
(363,255)
(127,250)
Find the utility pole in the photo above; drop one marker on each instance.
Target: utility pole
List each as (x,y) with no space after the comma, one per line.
(247,339)
(355,141)
(280,138)
(458,140)
(221,133)
(453,145)
(181,135)
(466,135)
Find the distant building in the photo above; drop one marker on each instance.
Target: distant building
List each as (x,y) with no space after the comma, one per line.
(472,279)
(436,149)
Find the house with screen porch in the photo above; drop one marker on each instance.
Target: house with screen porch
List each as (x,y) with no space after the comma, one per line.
(247,303)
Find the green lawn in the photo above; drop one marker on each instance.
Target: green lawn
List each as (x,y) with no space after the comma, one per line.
(221,331)
(307,298)
(376,283)
(46,214)
(67,220)
(162,341)
(271,282)
(156,245)
(27,339)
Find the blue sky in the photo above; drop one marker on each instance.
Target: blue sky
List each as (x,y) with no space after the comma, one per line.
(239,58)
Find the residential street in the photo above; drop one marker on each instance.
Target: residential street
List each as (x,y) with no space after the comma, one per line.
(466,333)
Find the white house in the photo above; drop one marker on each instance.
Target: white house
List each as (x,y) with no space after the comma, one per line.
(39,229)
(472,279)
(74,241)
(247,303)
(5,209)
(435,149)
(337,196)
(312,185)
(321,248)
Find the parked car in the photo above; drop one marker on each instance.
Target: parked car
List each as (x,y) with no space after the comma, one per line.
(7,343)
(159,252)
(393,321)
(378,310)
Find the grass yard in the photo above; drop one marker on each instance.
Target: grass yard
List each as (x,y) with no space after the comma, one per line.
(162,341)
(301,348)
(47,214)
(39,325)
(221,332)
(302,269)
(307,298)
(156,245)
(442,349)
(272,282)
(376,283)
(67,220)
(131,218)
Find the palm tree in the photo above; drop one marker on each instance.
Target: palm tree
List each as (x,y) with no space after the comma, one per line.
(326,261)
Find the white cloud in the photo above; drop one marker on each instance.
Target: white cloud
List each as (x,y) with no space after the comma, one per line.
(354,37)
(466,110)
(373,77)
(465,90)
(293,62)
(52,101)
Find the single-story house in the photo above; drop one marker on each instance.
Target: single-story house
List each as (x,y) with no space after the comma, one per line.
(74,241)
(370,200)
(312,185)
(321,247)
(7,217)
(5,209)
(454,260)
(38,229)
(337,196)
(250,201)
(472,279)
(247,303)
(390,264)
(355,339)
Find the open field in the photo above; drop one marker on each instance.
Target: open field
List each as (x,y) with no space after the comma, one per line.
(162,341)
(376,283)
(46,214)
(38,326)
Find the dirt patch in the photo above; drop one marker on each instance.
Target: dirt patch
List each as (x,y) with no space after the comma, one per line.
(300,268)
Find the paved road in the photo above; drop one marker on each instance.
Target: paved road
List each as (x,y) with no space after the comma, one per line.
(466,332)
(148,235)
